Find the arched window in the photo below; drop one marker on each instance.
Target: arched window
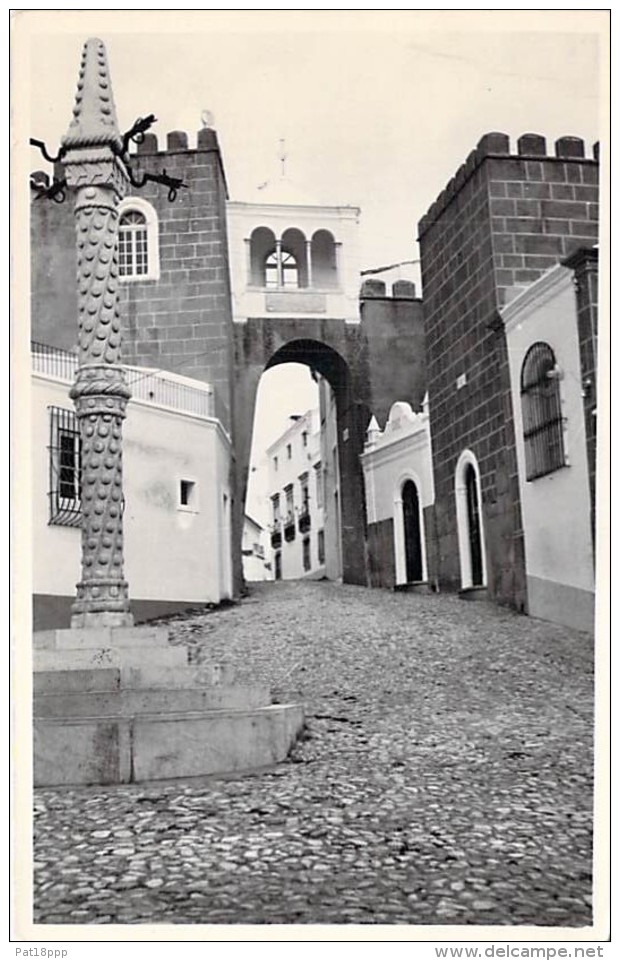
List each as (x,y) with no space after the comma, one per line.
(138,240)
(542,412)
(278,263)
(324,265)
(288,265)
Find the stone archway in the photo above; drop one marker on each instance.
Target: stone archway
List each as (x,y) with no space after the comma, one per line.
(256,354)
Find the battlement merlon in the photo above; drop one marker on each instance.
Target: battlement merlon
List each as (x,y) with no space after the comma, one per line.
(496,146)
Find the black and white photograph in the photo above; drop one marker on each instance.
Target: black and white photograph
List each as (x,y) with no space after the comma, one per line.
(311,523)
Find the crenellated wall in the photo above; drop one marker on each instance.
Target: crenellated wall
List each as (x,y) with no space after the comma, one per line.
(180,321)
(503,220)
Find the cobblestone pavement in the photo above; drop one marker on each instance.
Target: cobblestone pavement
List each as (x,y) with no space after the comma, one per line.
(444,778)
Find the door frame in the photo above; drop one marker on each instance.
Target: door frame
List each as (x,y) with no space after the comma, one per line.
(462,519)
(400,556)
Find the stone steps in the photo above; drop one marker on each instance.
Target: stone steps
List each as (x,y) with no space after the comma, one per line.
(473,594)
(116,750)
(414,587)
(118,705)
(161,700)
(145,676)
(101,637)
(103,657)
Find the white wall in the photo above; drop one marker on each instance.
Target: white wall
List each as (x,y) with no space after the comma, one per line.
(401,452)
(254,552)
(343,222)
(555,507)
(171,553)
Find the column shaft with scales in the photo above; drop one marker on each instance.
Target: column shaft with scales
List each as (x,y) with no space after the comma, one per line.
(94,169)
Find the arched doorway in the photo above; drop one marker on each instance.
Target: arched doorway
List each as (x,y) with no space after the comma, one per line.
(259,348)
(473,525)
(470,526)
(412,535)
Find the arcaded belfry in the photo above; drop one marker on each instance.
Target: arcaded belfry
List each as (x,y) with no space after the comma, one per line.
(93,167)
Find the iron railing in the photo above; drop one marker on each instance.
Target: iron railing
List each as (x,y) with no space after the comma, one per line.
(154,388)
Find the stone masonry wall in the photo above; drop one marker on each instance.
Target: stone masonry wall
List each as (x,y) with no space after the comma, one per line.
(502,221)
(182,322)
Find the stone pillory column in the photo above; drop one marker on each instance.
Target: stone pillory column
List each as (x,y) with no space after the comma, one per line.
(93,167)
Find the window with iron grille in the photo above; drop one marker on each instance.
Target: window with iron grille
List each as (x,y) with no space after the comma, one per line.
(132,244)
(65,508)
(543,429)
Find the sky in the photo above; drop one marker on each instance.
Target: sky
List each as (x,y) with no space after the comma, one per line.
(377,108)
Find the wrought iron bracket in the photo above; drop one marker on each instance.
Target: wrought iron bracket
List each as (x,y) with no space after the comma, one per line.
(57,191)
(135,134)
(137,131)
(40,144)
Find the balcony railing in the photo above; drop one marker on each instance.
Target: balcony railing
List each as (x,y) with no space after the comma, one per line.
(304,521)
(276,536)
(159,388)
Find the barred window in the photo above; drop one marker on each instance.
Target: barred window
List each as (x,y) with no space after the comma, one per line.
(64,463)
(542,412)
(132,245)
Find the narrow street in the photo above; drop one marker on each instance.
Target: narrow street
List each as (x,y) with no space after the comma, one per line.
(445,777)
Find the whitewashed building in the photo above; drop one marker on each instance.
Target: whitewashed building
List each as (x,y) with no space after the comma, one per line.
(548,403)
(292,256)
(256,567)
(398,478)
(296,498)
(176,465)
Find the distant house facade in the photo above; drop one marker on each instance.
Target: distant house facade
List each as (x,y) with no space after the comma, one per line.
(177,518)
(256,566)
(296,497)
(398,479)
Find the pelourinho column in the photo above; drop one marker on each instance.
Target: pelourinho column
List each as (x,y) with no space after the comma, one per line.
(93,167)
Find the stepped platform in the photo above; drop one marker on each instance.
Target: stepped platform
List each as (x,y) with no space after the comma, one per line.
(122,705)
(414,587)
(473,594)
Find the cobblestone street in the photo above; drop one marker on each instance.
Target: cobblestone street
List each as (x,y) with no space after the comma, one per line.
(444,777)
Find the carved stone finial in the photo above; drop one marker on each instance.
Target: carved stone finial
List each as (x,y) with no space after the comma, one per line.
(94,114)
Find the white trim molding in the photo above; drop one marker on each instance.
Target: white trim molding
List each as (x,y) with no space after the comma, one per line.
(400,558)
(462,521)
